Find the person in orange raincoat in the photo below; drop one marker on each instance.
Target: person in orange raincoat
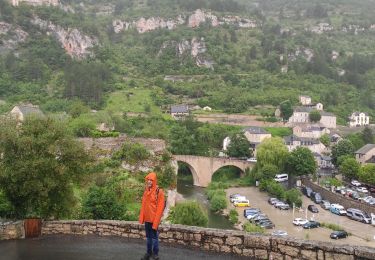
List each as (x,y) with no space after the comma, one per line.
(151,212)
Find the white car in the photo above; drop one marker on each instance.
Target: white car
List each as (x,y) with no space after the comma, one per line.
(356,183)
(252,159)
(300,221)
(362,189)
(279,233)
(366,199)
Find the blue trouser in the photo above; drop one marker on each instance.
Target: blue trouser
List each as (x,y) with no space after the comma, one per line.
(152,239)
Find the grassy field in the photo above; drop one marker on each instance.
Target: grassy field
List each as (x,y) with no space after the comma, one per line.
(279,131)
(135,100)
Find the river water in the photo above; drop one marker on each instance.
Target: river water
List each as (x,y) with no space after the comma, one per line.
(191,192)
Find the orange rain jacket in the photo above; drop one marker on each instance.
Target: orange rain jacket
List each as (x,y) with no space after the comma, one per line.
(152,203)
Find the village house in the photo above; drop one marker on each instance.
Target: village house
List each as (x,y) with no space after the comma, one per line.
(314,145)
(335,138)
(359,119)
(180,111)
(323,161)
(301,116)
(20,112)
(366,154)
(304,100)
(310,131)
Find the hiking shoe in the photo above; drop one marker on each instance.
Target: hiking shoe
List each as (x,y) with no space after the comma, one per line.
(155,257)
(146,257)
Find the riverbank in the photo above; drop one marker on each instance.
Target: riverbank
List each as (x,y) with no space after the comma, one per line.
(362,233)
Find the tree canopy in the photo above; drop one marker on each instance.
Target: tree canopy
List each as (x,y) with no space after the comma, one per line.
(272,151)
(239,146)
(301,161)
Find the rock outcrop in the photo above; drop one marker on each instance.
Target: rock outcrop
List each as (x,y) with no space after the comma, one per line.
(199,17)
(75,43)
(10,36)
(194,47)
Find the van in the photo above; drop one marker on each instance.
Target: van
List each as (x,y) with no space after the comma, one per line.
(238,198)
(337,209)
(242,203)
(307,191)
(358,215)
(281,177)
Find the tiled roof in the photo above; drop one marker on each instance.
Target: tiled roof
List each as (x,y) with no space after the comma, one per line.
(255,130)
(366,148)
(180,109)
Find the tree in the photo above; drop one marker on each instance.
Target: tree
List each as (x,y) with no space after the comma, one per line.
(324,139)
(367,174)
(350,168)
(301,162)
(286,110)
(343,147)
(239,146)
(188,213)
(367,136)
(356,139)
(40,162)
(314,116)
(269,171)
(272,151)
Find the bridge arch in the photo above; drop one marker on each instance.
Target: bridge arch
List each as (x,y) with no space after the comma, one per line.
(192,170)
(203,168)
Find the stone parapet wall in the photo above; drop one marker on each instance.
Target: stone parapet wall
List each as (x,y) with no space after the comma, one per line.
(254,246)
(12,230)
(332,197)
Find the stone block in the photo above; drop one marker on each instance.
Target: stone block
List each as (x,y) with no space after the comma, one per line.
(217,240)
(232,241)
(320,255)
(206,246)
(198,237)
(261,242)
(365,252)
(247,252)
(308,254)
(214,247)
(179,235)
(288,250)
(260,254)
(236,250)
(275,256)
(225,249)
(195,244)
(334,256)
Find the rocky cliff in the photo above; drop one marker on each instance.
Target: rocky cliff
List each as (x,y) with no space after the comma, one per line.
(75,43)
(10,36)
(199,17)
(194,47)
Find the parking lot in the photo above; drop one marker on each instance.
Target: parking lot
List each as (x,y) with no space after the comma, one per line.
(362,234)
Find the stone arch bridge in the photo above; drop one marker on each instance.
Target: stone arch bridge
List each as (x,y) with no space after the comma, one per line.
(202,168)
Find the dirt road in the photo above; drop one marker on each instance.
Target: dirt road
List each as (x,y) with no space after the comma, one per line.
(235,119)
(362,234)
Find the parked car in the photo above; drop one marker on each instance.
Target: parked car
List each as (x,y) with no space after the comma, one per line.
(266,224)
(354,195)
(355,183)
(325,204)
(341,190)
(307,191)
(272,201)
(281,205)
(358,215)
(338,234)
(238,198)
(337,209)
(366,199)
(299,221)
(281,177)
(279,233)
(250,211)
(241,203)
(311,224)
(316,197)
(252,159)
(362,189)
(313,208)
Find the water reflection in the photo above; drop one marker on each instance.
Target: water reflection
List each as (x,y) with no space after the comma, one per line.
(191,192)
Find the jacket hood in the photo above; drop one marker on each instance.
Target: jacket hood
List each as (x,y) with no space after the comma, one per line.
(152,176)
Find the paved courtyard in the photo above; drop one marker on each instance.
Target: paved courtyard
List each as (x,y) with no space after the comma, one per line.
(64,247)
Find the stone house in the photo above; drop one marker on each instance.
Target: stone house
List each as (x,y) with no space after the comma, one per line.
(180,111)
(314,145)
(310,131)
(323,161)
(20,112)
(301,116)
(366,154)
(335,138)
(304,100)
(359,119)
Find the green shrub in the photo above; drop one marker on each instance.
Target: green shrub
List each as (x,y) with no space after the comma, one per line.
(293,196)
(98,134)
(132,153)
(213,193)
(218,202)
(6,209)
(252,228)
(334,227)
(188,213)
(233,216)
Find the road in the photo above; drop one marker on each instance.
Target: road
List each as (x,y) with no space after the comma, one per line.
(63,247)
(362,234)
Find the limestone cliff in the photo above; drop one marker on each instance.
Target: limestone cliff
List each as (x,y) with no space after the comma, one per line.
(10,36)
(75,43)
(197,18)
(194,47)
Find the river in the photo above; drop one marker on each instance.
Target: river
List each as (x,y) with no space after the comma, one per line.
(191,192)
